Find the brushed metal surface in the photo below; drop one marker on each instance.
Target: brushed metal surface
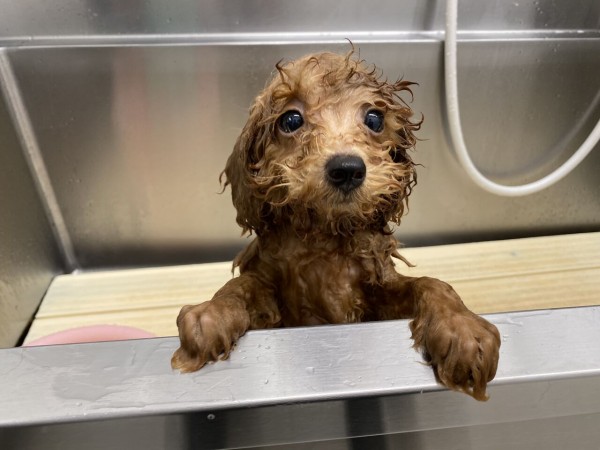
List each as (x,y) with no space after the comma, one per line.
(35,162)
(303,385)
(135,108)
(29,19)
(136,143)
(30,22)
(28,256)
(548,434)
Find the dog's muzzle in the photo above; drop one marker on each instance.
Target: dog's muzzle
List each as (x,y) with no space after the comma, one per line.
(345,172)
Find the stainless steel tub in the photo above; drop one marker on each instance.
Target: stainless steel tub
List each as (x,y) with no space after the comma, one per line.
(115,121)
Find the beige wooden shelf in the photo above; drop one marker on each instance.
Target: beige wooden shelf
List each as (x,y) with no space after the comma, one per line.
(510,275)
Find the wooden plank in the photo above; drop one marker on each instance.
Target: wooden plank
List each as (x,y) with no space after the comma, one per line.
(132,289)
(511,275)
(504,258)
(158,321)
(532,291)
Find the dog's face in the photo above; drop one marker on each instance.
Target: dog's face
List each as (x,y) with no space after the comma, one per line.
(325,148)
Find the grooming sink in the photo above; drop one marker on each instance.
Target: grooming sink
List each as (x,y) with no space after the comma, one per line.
(317,386)
(115,123)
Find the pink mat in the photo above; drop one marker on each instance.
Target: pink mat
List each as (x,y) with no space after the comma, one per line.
(94,333)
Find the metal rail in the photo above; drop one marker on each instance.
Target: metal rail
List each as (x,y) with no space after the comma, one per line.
(331,386)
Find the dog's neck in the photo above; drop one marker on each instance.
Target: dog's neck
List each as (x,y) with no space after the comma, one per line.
(371,250)
(356,243)
(324,236)
(309,225)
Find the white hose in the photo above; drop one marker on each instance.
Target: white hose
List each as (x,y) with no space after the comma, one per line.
(456,133)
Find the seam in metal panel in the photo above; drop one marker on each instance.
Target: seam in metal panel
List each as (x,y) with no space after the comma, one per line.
(35,161)
(290,38)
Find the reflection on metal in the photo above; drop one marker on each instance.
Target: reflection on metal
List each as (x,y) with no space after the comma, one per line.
(303,385)
(35,161)
(456,131)
(28,256)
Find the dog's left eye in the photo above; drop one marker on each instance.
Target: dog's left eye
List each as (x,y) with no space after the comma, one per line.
(374,120)
(290,121)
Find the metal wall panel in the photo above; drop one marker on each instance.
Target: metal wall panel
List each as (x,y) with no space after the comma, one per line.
(29,21)
(135,108)
(135,137)
(28,256)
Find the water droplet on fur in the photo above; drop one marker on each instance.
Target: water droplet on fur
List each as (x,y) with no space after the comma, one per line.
(310,370)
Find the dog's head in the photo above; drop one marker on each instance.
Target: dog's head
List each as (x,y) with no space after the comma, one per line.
(325,147)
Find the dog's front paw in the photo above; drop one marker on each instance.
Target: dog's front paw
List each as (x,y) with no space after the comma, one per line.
(208,332)
(462,348)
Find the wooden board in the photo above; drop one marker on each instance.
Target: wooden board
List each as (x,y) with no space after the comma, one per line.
(510,275)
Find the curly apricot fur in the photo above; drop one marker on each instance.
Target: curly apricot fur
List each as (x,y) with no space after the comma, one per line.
(324,255)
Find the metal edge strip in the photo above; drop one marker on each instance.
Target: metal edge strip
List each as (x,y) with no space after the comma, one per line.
(33,156)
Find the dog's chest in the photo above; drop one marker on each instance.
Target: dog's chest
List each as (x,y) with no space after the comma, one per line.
(322,288)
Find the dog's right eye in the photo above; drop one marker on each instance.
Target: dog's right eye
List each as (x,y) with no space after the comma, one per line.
(374,120)
(290,121)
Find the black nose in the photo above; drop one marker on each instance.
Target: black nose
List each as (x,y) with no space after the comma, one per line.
(346,172)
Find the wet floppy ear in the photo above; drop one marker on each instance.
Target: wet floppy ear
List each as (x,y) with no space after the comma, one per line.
(405,134)
(404,140)
(243,165)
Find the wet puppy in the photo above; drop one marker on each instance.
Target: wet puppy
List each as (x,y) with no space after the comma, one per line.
(318,173)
